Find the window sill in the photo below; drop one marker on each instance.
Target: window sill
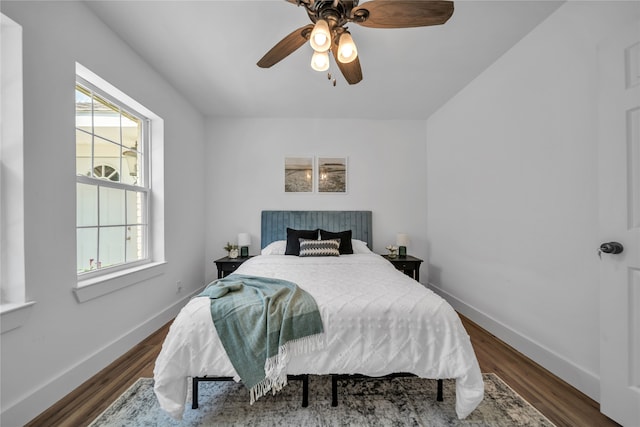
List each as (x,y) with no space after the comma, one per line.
(98,286)
(15,315)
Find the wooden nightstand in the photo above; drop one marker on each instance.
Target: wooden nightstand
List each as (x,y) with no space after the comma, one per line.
(408,264)
(228,265)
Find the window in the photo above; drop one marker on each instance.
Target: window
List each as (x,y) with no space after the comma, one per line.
(14,308)
(112,184)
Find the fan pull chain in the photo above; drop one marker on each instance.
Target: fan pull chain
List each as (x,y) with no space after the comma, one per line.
(329,78)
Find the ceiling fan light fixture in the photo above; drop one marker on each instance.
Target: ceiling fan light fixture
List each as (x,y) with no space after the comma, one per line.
(320,39)
(320,61)
(328,31)
(347,51)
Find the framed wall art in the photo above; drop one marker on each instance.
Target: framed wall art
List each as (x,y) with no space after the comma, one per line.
(332,174)
(298,174)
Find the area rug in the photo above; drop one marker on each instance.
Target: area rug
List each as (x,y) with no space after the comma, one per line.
(362,402)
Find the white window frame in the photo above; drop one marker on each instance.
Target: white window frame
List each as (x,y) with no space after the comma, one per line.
(143,188)
(100,282)
(14,307)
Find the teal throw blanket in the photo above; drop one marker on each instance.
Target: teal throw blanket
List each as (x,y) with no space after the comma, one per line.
(261,323)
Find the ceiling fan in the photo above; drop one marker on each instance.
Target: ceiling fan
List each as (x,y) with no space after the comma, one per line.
(328,31)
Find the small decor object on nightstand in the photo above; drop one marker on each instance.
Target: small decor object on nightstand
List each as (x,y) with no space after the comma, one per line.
(232,250)
(393,251)
(244,241)
(402,240)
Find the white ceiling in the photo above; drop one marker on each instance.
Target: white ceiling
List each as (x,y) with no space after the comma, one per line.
(208,50)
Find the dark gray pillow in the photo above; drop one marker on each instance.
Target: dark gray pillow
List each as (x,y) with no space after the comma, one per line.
(293,242)
(345,240)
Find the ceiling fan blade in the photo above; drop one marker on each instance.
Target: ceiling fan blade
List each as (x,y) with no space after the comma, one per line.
(286,46)
(352,71)
(403,13)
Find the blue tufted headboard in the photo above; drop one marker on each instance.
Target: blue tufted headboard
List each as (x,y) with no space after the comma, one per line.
(274,224)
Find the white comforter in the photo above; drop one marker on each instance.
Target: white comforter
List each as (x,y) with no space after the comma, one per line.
(377,321)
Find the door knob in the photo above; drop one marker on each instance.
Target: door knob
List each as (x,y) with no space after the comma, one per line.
(610,248)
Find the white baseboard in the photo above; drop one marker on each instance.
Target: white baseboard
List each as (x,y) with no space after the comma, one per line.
(587,382)
(38,401)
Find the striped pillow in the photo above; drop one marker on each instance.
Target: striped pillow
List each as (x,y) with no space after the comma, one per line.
(319,247)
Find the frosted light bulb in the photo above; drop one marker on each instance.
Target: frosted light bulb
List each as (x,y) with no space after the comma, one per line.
(347,51)
(320,39)
(320,61)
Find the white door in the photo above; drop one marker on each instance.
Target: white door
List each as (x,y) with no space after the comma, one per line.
(619,201)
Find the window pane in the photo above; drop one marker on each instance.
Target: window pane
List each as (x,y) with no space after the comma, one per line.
(131,129)
(135,243)
(135,207)
(132,157)
(86,205)
(106,154)
(130,166)
(112,206)
(83,153)
(87,249)
(106,119)
(112,243)
(83,111)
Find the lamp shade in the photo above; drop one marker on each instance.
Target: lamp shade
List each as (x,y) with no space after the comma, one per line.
(320,39)
(402,239)
(244,239)
(347,51)
(320,61)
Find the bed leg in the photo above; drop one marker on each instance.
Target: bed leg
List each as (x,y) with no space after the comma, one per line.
(305,391)
(439,397)
(334,390)
(194,390)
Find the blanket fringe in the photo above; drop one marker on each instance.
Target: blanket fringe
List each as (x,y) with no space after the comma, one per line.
(275,367)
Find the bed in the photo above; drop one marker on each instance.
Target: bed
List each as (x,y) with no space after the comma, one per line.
(377,321)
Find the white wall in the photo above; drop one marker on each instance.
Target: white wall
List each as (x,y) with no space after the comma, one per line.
(512,193)
(245,175)
(63,342)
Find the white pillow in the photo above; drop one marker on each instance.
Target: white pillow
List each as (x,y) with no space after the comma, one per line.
(278,247)
(360,247)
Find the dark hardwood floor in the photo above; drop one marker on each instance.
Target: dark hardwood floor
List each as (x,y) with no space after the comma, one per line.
(563,404)
(557,400)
